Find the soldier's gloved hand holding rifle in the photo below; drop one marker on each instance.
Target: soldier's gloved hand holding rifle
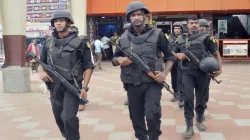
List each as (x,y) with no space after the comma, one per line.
(125,61)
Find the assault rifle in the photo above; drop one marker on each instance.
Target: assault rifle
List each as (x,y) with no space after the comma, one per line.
(142,65)
(194,59)
(59,78)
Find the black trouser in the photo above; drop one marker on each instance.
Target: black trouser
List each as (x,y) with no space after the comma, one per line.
(65,108)
(174,77)
(179,83)
(144,100)
(207,89)
(194,80)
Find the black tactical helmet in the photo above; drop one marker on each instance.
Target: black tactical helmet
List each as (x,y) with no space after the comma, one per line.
(125,26)
(209,64)
(178,24)
(203,22)
(61,14)
(136,5)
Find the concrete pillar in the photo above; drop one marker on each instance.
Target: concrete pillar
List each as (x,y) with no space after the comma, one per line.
(79,12)
(16,77)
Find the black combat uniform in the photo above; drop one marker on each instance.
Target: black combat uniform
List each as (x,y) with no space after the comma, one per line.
(171,40)
(208,81)
(144,93)
(69,53)
(176,72)
(193,78)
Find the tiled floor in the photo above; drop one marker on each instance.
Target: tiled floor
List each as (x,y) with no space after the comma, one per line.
(29,116)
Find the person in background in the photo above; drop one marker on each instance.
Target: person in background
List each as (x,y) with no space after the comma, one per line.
(99,47)
(105,41)
(34,47)
(115,38)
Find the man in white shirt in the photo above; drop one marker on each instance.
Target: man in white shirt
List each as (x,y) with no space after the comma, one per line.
(98,53)
(105,41)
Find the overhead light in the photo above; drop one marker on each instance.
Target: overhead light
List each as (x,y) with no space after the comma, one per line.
(103,17)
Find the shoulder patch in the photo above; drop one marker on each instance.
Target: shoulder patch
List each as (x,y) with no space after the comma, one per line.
(213,39)
(166,35)
(88,44)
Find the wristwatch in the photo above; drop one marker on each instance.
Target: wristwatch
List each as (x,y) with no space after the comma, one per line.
(86,88)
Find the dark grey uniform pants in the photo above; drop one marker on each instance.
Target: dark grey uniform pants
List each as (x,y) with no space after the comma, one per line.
(195,80)
(207,89)
(65,107)
(174,78)
(144,100)
(179,83)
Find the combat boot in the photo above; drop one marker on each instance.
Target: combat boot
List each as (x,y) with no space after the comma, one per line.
(190,130)
(188,133)
(199,123)
(181,104)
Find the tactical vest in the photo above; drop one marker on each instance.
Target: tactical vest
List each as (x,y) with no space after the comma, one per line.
(145,46)
(171,40)
(66,60)
(195,44)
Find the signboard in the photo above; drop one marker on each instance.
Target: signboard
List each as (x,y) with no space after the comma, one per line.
(91,26)
(235,50)
(36,7)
